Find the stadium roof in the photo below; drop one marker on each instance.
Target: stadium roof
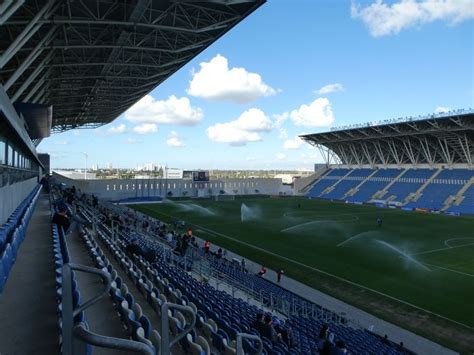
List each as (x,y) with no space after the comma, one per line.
(435,139)
(93,59)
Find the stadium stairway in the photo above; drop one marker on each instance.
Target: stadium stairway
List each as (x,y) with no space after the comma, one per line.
(102,317)
(459,197)
(354,190)
(380,194)
(413,197)
(28,302)
(333,186)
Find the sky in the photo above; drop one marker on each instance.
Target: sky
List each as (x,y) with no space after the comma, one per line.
(291,67)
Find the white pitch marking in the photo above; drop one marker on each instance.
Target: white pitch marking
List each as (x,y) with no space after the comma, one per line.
(323,272)
(448,269)
(441,249)
(446,242)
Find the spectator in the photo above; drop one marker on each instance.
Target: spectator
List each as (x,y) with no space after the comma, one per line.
(268,331)
(339,349)
(61,219)
(258,322)
(242,264)
(262,272)
(134,248)
(219,253)
(207,246)
(279,273)
(323,335)
(385,340)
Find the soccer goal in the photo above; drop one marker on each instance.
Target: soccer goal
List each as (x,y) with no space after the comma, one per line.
(224,197)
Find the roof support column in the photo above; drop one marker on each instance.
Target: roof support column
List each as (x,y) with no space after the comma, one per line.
(445,150)
(378,150)
(466,149)
(393,150)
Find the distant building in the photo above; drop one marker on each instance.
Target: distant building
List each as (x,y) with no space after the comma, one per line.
(173,173)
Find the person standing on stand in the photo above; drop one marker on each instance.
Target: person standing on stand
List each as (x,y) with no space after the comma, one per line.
(280,272)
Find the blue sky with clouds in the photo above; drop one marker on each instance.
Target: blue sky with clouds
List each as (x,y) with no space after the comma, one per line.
(292,67)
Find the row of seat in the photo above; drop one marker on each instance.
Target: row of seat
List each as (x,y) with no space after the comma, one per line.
(220,317)
(155,289)
(210,330)
(13,232)
(396,185)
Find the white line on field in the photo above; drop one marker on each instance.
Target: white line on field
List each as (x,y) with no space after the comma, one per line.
(442,249)
(447,269)
(446,242)
(323,272)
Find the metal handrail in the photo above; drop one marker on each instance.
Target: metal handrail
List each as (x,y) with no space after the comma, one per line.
(241,336)
(90,270)
(81,332)
(166,343)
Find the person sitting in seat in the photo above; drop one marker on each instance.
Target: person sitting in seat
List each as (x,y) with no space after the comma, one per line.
(268,331)
(262,272)
(134,248)
(258,322)
(339,349)
(61,219)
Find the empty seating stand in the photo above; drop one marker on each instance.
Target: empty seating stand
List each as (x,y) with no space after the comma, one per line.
(354,178)
(467,204)
(447,183)
(410,182)
(375,183)
(12,234)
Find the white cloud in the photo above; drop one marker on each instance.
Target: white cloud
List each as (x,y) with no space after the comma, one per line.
(330,88)
(174,140)
(388,19)
(145,128)
(131,141)
(121,128)
(294,143)
(174,110)
(317,114)
(281,156)
(215,81)
(244,129)
(441,109)
(283,133)
(62,143)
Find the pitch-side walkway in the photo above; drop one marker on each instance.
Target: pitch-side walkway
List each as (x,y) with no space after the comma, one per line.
(28,322)
(396,334)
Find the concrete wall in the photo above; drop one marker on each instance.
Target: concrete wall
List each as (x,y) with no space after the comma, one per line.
(126,188)
(12,195)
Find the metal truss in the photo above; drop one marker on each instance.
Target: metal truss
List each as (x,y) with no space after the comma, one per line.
(448,140)
(93,59)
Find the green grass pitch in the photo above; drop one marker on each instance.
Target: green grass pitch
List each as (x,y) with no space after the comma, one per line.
(426,260)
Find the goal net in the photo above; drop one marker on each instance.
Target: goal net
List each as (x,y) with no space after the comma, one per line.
(224,197)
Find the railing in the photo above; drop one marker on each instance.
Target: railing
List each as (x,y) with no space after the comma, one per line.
(166,341)
(76,338)
(405,119)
